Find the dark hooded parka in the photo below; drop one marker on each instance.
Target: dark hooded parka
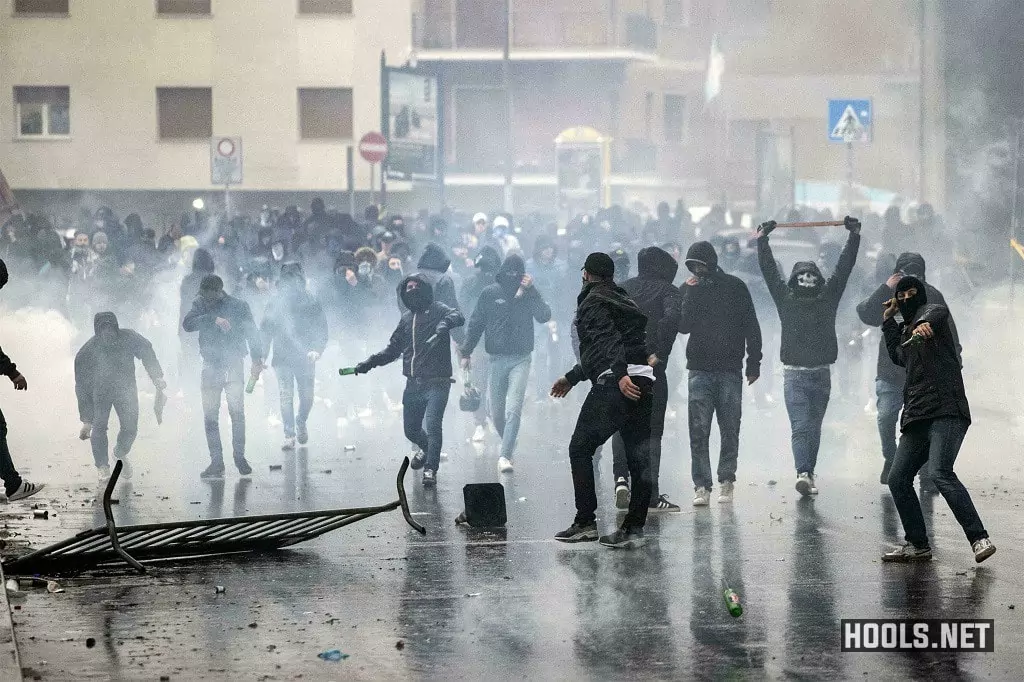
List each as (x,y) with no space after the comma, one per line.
(505,316)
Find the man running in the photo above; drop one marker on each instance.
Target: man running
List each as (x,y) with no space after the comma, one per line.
(105,380)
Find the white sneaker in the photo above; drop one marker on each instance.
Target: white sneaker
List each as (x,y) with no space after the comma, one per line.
(505,465)
(26,489)
(701,497)
(621,493)
(725,495)
(102,476)
(289,444)
(444,456)
(983,549)
(805,484)
(365,413)
(479,434)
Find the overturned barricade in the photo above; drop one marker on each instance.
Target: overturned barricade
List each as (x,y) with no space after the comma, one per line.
(112,544)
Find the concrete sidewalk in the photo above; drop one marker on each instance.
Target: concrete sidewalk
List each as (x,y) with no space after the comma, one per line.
(10,662)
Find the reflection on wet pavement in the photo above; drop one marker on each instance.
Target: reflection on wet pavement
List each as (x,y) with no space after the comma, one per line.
(511,603)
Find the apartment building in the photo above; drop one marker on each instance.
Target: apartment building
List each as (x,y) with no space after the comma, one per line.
(123,96)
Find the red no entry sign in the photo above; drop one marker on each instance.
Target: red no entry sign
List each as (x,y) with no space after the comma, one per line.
(373,147)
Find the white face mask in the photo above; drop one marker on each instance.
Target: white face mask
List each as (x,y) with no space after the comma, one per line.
(807,279)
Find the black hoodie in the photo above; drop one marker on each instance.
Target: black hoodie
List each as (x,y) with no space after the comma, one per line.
(101,366)
(294,323)
(653,292)
(935,382)
(421,338)
(433,268)
(719,316)
(487,263)
(870,311)
(808,318)
(506,319)
(612,333)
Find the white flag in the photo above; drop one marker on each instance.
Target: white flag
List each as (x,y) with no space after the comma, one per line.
(716,69)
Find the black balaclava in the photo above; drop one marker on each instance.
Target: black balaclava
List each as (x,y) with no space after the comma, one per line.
(418,299)
(909,307)
(510,274)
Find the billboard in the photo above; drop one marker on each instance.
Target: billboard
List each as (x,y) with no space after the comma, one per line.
(412,109)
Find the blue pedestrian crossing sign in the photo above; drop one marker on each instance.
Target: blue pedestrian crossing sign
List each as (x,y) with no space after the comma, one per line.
(849,120)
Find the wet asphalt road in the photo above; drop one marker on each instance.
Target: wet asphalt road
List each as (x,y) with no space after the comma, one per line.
(514,604)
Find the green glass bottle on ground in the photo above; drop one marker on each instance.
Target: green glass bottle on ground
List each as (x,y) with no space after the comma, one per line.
(732,602)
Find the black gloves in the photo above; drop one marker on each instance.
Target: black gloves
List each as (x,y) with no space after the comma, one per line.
(363,367)
(766,228)
(852,224)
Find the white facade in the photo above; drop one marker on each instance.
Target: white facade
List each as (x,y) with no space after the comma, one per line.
(253,54)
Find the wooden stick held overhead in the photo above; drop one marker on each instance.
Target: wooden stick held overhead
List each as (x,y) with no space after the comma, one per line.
(820,223)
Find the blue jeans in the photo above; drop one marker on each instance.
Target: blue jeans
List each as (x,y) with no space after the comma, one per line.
(423,405)
(229,378)
(711,393)
(889,398)
(807,393)
(299,375)
(937,443)
(124,400)
(480,376)
(509,374)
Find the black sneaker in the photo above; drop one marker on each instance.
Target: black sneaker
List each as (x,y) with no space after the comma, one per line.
(884,478)
(577,533)
(663,505)
(213,471)
(243,467)
(418,460)
(625,538)
(429,478)
(302,434)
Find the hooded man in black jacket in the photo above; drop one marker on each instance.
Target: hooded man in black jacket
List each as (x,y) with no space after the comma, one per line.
(807,306)
(433,268)
(718,314)
(226,328)
(422,338)
(505,312)
(890,377)
(295,327)
(658,299)
(614,357)
(935,418)
(105,380)
(486,263)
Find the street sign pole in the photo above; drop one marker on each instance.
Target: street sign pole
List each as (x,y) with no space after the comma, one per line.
(849,177)
(373,182)
(350,180)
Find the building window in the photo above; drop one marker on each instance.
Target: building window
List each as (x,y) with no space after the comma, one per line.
(43,112)
(182,6)
(325,113)
(678,12)
(40,6)
(675,118)
(184,113)
(325,6)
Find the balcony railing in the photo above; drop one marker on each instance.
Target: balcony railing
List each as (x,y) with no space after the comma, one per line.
(537,31)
